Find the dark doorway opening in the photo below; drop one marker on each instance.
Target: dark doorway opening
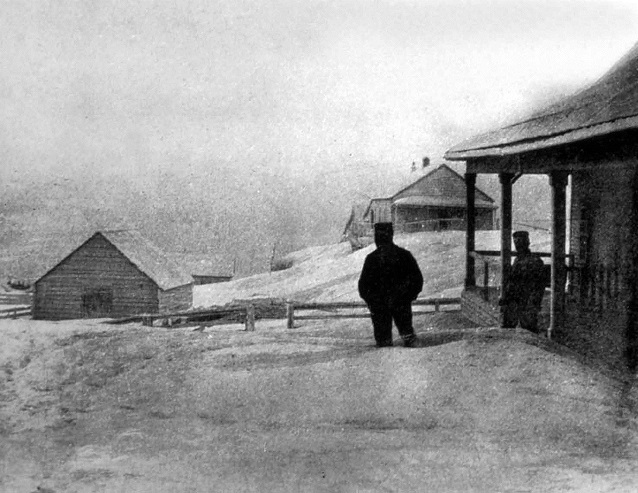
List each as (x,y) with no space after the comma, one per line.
(98,303)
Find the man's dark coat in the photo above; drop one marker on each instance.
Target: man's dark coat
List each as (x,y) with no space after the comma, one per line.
(390,277)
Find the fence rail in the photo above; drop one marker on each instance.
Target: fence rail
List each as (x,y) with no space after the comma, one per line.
(248,313)
(15,311)
(15,298)
(291,307)
(441,224)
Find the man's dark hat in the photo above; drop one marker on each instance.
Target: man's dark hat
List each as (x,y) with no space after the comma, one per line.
(520,234)
(383,228)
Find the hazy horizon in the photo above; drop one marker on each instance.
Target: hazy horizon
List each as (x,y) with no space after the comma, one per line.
(243,126)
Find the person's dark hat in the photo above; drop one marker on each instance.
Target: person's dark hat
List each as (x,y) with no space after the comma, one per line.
(520,234)
(383,228)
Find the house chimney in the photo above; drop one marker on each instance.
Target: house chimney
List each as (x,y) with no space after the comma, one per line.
(426,162)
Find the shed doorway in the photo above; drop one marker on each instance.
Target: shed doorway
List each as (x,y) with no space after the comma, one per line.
(97,303)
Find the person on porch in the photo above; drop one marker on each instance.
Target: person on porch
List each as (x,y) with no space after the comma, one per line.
(523,292)
(390,281)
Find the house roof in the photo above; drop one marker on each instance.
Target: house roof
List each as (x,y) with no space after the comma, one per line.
(442,202)
(607,106)
(442,186)
(148,259)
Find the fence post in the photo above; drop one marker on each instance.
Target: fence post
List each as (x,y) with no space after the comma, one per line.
(250,318)
(290,315)
(486,280)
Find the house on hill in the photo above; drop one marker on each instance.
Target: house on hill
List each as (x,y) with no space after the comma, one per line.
(112,274)
(434,202)
(588,145)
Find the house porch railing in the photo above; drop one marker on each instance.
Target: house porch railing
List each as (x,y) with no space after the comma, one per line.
(366,228)
(431,225)
(488,271)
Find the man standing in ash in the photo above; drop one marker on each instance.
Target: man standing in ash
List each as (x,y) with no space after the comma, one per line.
(523,293)
(390,281)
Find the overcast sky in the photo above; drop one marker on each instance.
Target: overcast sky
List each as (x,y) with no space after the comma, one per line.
(321,93)
(291,84)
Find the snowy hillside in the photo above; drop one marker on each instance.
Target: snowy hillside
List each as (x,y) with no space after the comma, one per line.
(330,273)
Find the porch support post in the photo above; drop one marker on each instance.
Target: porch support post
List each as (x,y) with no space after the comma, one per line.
(558,182)
(506,227)
(470,225)
(631,350)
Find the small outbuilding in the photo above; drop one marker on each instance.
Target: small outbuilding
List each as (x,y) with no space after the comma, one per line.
(112,274)
(210,270)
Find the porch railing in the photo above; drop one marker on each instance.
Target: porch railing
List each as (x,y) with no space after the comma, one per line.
(455,224)
(366,228)
(488,269)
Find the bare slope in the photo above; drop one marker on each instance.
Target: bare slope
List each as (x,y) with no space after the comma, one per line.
(330,273)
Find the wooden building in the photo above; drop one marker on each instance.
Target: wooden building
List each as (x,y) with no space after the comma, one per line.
(112,274)
(588,145)
(209,270)
(434,202)
(379,211)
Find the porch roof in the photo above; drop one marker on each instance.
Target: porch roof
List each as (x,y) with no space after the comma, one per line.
(440,201)
(610,105)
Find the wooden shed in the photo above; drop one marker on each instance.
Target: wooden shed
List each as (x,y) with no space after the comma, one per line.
(112,274)
(209,270)
(434,202)
(588,145)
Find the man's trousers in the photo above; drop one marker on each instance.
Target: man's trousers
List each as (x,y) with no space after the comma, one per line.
(382,318)
(520,312)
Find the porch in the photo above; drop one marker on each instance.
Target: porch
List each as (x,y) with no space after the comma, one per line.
(479,303)
(500,261)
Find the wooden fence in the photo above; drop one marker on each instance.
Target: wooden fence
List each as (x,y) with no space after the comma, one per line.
(292,307)
(248,313)
(15,311)
(20,304)
(22,298)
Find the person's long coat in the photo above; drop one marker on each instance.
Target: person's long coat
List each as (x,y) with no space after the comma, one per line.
(390,277)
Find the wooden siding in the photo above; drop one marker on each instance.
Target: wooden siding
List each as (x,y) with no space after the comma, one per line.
(96,265)
(380,211)
(601,244)
(176,299)
(484,217)
(440,182)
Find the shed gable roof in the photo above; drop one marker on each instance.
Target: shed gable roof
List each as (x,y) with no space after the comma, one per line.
(145,256)
(607,106)
(149,259)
